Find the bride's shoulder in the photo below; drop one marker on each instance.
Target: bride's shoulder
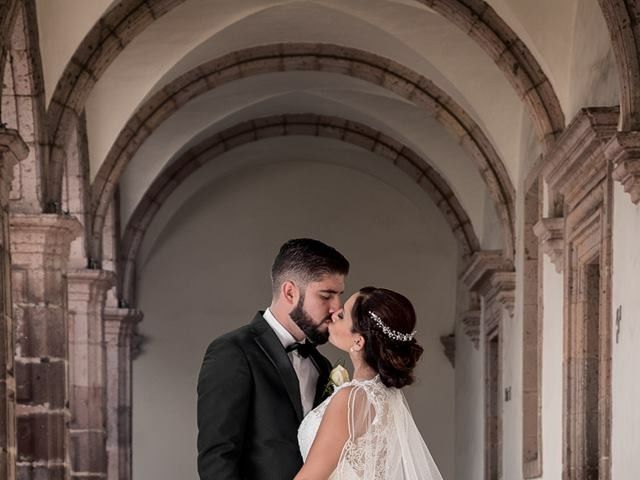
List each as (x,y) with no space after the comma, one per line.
(362,387)
(356,393)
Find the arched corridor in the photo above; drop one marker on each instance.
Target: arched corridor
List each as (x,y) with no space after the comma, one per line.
(479,156)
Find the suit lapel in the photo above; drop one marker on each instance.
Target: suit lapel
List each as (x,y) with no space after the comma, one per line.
(275,352)
(324,369)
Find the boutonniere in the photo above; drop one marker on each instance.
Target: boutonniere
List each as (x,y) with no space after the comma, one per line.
(337,377)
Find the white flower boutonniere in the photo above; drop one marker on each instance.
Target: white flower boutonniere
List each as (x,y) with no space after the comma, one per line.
(337,377)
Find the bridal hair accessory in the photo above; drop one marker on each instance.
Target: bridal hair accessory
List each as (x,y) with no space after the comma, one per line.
(393,334)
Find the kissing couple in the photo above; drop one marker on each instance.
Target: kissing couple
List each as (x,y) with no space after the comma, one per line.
(271,408)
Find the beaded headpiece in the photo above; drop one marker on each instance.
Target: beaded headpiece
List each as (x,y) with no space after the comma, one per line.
(393,334)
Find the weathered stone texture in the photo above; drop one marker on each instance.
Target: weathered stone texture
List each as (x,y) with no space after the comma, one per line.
(40,252)
(578,169)
(532,320)
(623,151)
(550,233)
(87,368)
(12,150)
(120,324)
(23,107)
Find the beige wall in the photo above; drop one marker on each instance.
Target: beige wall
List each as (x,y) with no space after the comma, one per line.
(626,351)
(469,394)
(552,328)
(60,37)
(593,79)
(207,272)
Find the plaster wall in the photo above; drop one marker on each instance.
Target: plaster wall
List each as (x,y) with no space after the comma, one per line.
(626,337)
(205,271)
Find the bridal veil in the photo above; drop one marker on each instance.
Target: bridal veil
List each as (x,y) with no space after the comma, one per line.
(384,442)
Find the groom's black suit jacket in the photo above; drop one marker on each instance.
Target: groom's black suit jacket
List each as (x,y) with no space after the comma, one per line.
(249,406)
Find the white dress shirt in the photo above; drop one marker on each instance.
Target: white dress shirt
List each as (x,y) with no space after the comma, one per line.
(304,367)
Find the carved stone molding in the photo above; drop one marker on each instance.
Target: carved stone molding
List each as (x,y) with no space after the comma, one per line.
(579,170)
(624,152)
(550,233)
(40,252)
(504,285)
(471,325)
(119,327)
(87,291)
(577,163)
(449,344)
(492,276)
(12,150)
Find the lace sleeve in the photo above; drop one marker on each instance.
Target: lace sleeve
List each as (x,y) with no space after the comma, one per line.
(384,442)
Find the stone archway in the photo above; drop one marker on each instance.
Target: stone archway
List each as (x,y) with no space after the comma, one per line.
(306,57)
(120,25)
(258,129)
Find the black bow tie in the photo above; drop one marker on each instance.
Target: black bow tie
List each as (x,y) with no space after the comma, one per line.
(304,349)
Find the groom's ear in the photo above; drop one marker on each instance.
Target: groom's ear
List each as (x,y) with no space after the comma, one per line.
(289,292)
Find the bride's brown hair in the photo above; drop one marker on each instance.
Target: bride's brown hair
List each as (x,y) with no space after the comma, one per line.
(393,359)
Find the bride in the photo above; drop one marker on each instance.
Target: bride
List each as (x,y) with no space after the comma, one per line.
(365,430)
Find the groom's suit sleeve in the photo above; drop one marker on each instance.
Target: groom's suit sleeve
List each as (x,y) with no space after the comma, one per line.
(224,391)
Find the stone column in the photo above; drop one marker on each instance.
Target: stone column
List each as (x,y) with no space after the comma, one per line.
(40,252)
(119,327)
(581,168)
(87,367)
(12,150)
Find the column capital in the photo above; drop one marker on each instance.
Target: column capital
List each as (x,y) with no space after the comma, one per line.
(492,276)
(550,233)
(471,325)
(42,234)
(88,285)
(504,285)
(119,323)
(577,161)
(623,151)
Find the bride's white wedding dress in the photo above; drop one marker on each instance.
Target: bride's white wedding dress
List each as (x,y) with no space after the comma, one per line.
(384,442)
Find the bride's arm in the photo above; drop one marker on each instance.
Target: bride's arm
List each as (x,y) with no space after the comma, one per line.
(330,439)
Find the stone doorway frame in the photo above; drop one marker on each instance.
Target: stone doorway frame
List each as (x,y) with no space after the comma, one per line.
(578,172)
(493,400)
(587,341)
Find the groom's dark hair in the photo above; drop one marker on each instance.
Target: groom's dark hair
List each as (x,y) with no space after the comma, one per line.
(306,260)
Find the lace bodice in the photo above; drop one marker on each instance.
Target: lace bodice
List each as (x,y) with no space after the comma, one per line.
(384,442)
(374,396)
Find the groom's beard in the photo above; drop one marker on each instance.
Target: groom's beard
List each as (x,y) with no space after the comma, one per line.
(307,325)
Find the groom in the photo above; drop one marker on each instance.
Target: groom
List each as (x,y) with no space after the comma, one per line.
(257,382)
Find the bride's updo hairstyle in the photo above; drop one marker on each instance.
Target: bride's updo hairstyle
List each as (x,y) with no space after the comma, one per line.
(392,351)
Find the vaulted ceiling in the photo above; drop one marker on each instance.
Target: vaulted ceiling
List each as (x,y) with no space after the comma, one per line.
(475,90)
